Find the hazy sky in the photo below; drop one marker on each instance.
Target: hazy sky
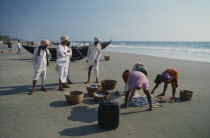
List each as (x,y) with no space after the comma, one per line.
(137,20)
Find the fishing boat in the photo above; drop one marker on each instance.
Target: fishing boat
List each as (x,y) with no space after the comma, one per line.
(78,53)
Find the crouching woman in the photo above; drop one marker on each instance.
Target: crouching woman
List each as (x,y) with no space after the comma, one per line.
(136,81)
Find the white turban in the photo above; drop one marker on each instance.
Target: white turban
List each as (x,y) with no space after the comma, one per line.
(64,38)
(44,42)
(97,39)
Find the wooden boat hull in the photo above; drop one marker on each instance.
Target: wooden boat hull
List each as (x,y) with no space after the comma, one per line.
(78,53)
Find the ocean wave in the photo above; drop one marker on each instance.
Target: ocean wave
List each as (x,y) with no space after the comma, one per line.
(157,48)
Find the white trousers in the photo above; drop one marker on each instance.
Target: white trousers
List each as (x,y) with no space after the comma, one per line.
(41,74)
(96,69)
(63,73)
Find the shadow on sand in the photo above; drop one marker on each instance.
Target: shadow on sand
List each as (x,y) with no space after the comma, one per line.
(58,104)
(89,101)
(22,59)
(82,130)
(23,89)
(83,114)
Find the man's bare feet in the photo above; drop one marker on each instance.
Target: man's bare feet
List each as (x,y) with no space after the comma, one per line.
(32,92)
(97,81)
(150,108)
(65,86)
(171,100)
(43,89)
(61,89)
(125,106)
(87,82)
(69,82)
(161,94)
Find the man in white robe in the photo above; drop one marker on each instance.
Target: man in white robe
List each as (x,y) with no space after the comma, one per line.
(41,60)
(93,56)
(68,77)
(63,58)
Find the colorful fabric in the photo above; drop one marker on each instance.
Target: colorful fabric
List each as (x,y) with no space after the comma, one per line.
(137,79)
(125,76)
(142,69)
(173,73)
(166,77)
(170,76)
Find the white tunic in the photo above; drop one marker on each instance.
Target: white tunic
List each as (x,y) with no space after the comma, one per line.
(63,59)
(19,45)
(40,62)
(94,54)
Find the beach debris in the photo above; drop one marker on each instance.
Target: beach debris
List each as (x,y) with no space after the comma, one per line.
(117,93)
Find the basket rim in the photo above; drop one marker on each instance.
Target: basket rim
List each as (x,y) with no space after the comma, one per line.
(108,80)
(181,91)
(70,93)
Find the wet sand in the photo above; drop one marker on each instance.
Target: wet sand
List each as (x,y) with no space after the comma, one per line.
(48,115)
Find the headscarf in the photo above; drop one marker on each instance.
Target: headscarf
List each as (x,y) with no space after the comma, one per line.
(43,43)
(97,39)
(64,38)
(138,64)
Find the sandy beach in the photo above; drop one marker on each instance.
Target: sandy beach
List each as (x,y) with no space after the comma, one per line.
(45,115)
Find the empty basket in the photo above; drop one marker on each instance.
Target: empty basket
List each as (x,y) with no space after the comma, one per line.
(186,95)
(74,97)
(108,84)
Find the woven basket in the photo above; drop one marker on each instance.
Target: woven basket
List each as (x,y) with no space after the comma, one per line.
(186,95)
(108,84)
(92,90)
(107,58)
(74,97)
(100,99)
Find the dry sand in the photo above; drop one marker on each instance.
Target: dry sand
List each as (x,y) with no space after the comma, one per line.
(44,115)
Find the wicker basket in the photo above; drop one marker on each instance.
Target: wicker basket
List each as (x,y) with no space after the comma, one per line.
(107,58)
(186,95)
(92,90)
(108,84)
(100,99)
(74,97)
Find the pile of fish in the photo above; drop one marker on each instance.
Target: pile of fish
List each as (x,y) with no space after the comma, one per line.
(141,100)
(99,95)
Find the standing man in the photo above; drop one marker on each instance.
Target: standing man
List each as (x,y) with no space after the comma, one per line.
(19,48)
(40,61)
(68,77)
(9,44)
(93,56)
(63,59)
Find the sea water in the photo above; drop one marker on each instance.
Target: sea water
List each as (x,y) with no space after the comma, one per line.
(193,51)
